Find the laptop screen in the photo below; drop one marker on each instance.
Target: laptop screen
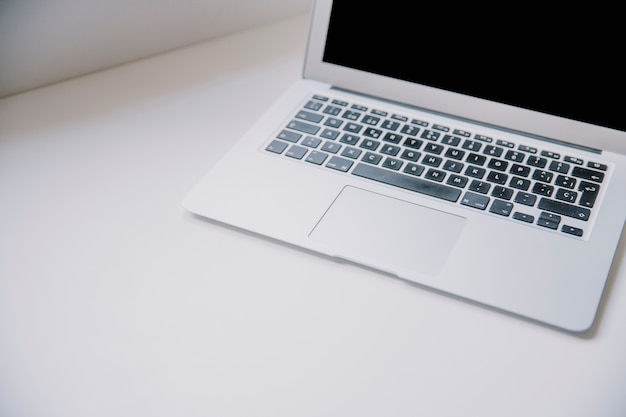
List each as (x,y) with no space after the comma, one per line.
(564,62)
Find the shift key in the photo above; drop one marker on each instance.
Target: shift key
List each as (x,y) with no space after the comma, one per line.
(564,209)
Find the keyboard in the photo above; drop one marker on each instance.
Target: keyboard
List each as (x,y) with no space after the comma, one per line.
(508,177)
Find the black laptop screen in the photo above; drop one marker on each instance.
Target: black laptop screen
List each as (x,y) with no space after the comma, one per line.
(565,62)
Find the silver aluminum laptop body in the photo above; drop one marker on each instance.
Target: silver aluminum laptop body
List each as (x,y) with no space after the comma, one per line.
(532,261)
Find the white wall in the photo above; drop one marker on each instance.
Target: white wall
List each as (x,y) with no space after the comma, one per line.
(44,41)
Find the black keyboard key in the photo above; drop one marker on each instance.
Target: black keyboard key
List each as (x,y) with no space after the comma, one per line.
(370,120)
(340,164)
(520,170)
(352,127)
(498,164)
(515,156)
(560,167)
(597,165)
(497,177)
(390,125)
(352,153)
(566,195)
(371,158)
(505,143)
(537,161)
(410,130)
(572,230)
(349,139)
(433,148)
(303,127)
(588,174)
(476,159)
(413,143)
(525,199)
(316,157)
(453,166)
(455,153)
(372,133)
(328,134)
(430,135)
(451,140)
(480,186)
(332,122)
(390,150)
(331,147)
(502,192)
(457,181)
(311,141)
(573,160)
(309,116)
(543,189)
(527,148)
(566,182)
(313,105)
(332,110)
(494,151)
(349,114)
(550,154)
(290,136)
(503,208)
(431,160)
(414,169)
(551,221)
(433,189)
(410,155)
(463,133)
(564,209)
(276,146)
(392,137)
(589,193)
(472,145)
(392,163)
(296,152)
(371,145)
(543,176)
(519,183)
(475,172)
(527,218)
(476,201)
(435,175)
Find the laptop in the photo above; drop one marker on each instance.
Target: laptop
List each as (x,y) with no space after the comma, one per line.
(481,157)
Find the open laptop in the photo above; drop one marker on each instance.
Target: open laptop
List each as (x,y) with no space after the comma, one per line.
(476,152)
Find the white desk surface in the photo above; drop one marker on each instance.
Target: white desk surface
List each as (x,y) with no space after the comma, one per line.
(114,301)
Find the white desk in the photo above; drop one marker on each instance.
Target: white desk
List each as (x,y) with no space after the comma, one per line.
(116,302)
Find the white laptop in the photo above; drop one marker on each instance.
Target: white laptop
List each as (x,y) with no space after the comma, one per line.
(480,157)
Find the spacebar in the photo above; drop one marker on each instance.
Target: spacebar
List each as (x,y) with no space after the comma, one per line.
(419,185)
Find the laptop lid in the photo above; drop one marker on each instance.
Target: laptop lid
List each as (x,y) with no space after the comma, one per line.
(552,74)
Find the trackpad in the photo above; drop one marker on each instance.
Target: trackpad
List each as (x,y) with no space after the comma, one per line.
(386,233)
